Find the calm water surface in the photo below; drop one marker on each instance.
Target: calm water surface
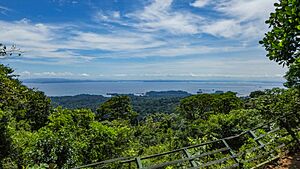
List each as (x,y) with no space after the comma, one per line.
(126,87)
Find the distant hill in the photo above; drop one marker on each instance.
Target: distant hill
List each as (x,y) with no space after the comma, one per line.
(151,102)
(167,94)
(78,101)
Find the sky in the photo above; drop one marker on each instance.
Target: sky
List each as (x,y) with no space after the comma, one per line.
(138,39)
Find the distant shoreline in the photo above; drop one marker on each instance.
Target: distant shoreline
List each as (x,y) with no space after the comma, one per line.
(58,80)
(62,87)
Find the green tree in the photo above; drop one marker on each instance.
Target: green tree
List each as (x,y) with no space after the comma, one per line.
(293,75)
(5,140)
(20,108)
(118,107)
(225,102)
(280,105)
(199,106)
(23,103)
(71,138)
(224,125)
(282,42)
(257,93)
(194,107)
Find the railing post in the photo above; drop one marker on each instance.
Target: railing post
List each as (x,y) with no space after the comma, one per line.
(192,162)
(233,155)
(139,162)
(252,134)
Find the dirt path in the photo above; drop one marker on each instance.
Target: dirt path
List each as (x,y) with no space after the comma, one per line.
(287,162)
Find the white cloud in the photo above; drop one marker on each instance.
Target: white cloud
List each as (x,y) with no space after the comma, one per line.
(116,14)
(105,18)
(159,16)
(200,3)
(242,67)
(246,10)
(62,44)
(65,41)
(25,74)
(4,10)
(64,2)
(55,44)
(246,18)
(178,50)
(84,74)
(114,42)
(249,67)
(28,74)
(112,16)
(52,74)
(224,28)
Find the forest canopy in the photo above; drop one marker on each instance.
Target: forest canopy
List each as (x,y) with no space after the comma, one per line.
(36,134)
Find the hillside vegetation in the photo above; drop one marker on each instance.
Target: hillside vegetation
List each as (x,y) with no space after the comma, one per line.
(151,102)
(34,134)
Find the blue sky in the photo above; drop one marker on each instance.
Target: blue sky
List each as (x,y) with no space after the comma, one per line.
(138,39)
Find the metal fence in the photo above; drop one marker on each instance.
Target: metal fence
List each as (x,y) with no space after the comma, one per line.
(256,147)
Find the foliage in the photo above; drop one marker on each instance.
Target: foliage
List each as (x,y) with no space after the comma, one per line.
(118,107)
(219,126)
(20,108)
(282,41)
(5,52)
(34,135)
(198,106)
(79,101)
(25,104)
(146,105)
(256,94)
(71,138)
(293,75)
(152,102)
(280,105)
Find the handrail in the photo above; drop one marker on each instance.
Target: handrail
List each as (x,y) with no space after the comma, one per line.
(124,160)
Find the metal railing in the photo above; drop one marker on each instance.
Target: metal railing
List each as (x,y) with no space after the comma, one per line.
(213,153)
